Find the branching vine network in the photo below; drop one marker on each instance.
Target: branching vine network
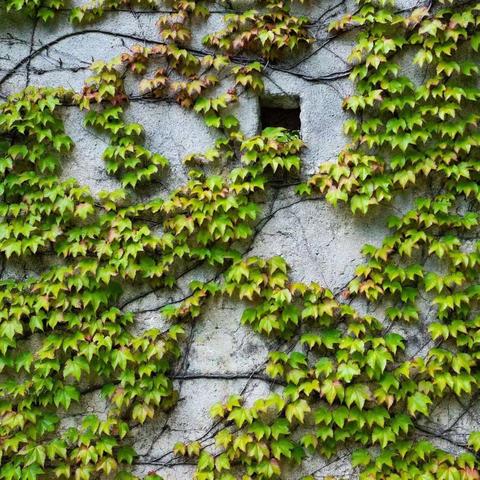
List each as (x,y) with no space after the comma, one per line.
(341,381)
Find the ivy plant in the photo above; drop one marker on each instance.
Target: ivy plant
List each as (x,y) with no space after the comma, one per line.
(345,380)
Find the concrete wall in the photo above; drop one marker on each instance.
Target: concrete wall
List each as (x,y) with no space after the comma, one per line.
(319,242)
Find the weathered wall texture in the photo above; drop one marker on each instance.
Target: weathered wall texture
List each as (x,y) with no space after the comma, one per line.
(320,243)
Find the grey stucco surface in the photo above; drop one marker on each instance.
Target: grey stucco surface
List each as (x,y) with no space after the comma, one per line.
(319,242)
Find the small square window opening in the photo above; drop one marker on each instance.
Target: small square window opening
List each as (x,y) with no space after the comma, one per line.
(280,111)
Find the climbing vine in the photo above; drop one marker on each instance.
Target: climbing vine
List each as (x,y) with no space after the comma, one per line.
(346,380)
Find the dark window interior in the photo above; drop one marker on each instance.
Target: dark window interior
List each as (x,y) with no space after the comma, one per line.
(280,112)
